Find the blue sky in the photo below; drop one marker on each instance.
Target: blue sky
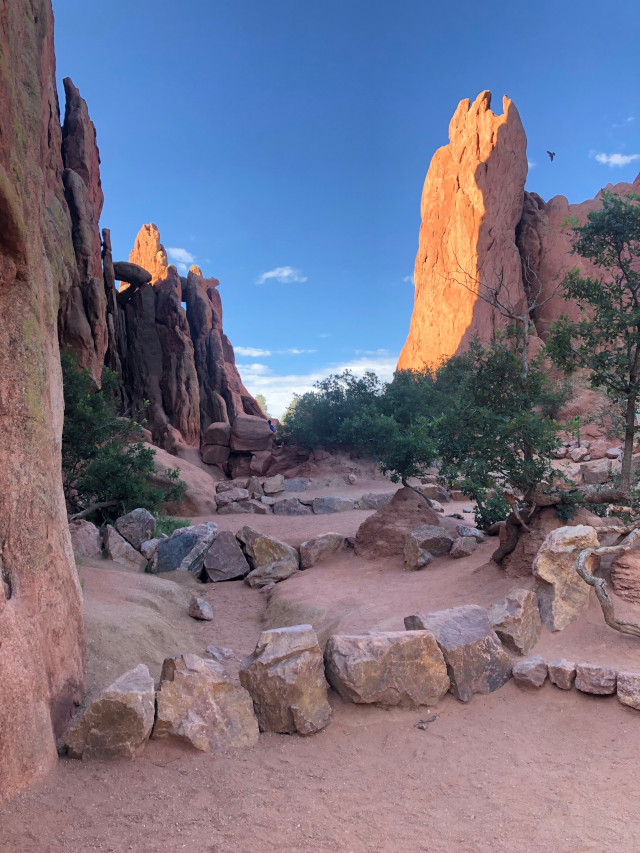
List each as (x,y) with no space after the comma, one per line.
(283,145)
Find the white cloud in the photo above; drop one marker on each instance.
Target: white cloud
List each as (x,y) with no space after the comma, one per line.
(285,275)
(180,256)
(279,389)
(325,335)
(254,369)
(625,122)
(616,159)
(183,268)
(531,164)
(409,279)
(252,352)
(256,352)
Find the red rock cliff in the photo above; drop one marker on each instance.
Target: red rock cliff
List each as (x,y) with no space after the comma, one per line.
(41,629)
(471,204)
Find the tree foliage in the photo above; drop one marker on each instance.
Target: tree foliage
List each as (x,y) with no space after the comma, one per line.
(606,339)
(103,458)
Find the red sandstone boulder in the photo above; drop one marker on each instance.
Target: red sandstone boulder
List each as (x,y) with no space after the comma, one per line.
(625,576)
(383,533)
(249,432)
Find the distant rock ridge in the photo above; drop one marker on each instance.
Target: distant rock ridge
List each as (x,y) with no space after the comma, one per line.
(179,361)
(479,225)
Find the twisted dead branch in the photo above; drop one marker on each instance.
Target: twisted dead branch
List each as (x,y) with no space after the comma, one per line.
(600,586)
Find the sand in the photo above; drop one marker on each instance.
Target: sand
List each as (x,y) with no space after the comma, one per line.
(514,772)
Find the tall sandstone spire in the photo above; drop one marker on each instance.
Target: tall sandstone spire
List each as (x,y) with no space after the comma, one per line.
(471,204)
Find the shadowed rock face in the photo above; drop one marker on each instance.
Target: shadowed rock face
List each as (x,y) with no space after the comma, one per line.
(83,314)
(41,629)
(479,225)
(471,203)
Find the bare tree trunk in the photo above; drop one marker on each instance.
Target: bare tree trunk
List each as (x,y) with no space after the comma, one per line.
(629,434)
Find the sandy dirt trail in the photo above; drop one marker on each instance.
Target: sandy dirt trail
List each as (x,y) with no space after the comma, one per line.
(513,772)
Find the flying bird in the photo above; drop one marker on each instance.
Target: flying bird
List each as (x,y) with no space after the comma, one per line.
(551,154)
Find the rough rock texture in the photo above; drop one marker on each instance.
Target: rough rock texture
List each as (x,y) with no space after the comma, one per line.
(316,550)
(375,500)
(198,705)
(291,506)
(562,673)
(85,538)
(562,594)
(285,677)
(424,543)
(396,668)
(545,245)
(222,394)
(136,526)
(200,609)
(625,576)
(383,533)
(199,496)
(628,689)
(329,503)
(118,723)
(185,549)
(270,559)
(41,659)
(224,561)
(531,672)
(593,678)
(471,204)
(476,661)
(83,312)
(516,620)
(121,552)
(463,546)
(273,485)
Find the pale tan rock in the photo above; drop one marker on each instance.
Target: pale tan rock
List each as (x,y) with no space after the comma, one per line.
(273,485)
(118,723)
(516,620)
(230,495)
(628,688)
(199,705)
(597,472)
(316,550)
(270,559)
(578,454)
(476,661)
(121,552)
(85,538)
(403,668)
(597,679)
(562,594)
(200,609)
(285,678)
(435,492)
(562,673)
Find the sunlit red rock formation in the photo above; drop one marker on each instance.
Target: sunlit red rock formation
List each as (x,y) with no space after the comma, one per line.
(471,203)
(480,226)
(544,241)
(41,629)
(149,253)
(83,314)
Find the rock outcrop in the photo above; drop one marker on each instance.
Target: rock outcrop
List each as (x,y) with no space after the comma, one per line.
(479,225)
(471,204)
(41,628)
(83,312)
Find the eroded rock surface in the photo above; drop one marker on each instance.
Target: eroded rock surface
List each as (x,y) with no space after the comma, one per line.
(41,659)
(475,658)
(516,620)
(270,559)
(562,594)
(395,668)
(383,533)
(285,677)
(198,705)
(118,723)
